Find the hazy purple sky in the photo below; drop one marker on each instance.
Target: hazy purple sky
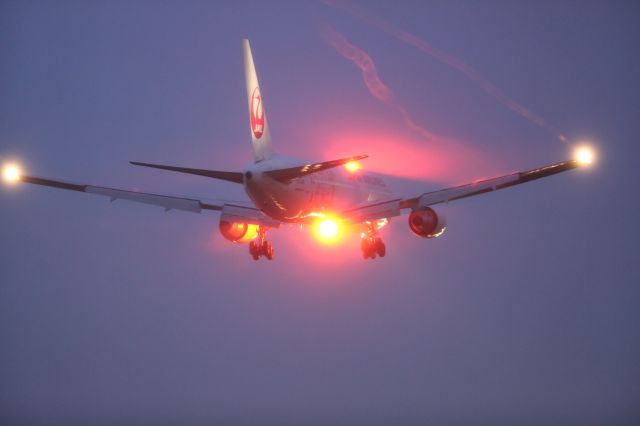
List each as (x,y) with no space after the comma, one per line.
(525,312)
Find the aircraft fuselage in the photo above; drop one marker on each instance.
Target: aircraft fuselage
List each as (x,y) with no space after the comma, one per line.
(324,192)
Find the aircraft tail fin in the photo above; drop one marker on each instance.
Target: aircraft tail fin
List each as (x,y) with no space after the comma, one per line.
(260,136)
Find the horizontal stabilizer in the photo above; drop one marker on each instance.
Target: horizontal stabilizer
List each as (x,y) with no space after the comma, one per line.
(284,175)
(215,174)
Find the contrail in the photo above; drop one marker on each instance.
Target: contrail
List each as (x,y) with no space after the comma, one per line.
(372,80)
(444,154)
(449,60)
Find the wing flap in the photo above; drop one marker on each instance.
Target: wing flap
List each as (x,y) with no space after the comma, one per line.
(235,212)
(391,208)
(167,202)
(373,211)
(488,185)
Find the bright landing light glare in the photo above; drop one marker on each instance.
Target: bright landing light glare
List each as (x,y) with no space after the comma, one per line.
(352,166)
(584,155)
(11,173)
(327,229)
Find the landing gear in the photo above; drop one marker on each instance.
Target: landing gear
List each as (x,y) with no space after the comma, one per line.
(371,244)
(260,246)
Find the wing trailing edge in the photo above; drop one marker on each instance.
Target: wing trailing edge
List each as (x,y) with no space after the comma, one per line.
(237,212)
(488,185)
(164,201)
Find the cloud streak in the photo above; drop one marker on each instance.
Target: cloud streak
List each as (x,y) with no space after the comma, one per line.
(449,60)
(437,160)
(372,80)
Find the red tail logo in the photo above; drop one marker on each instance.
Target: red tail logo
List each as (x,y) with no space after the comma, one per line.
(257,113)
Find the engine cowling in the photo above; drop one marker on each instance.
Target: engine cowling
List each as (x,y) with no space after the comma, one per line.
(238,232)
(426,223)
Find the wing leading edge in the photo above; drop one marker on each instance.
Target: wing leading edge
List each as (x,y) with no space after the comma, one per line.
(368,212)
(488,185)
(241,213)
(393,207)
(167,202)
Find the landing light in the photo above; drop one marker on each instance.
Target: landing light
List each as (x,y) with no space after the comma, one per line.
(11,173)
(352,166)
(327,229)
(584,155)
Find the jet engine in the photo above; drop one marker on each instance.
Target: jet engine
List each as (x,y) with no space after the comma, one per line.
(238,232)
(426,223)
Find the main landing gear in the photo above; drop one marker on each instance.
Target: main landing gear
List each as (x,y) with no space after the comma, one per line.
(371,244)
(260,246)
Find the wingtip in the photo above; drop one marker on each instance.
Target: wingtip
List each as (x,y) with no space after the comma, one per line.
(358,157)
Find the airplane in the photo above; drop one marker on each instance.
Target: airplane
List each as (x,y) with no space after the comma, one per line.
(329,195)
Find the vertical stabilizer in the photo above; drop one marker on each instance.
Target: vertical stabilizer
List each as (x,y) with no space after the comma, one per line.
(260,136)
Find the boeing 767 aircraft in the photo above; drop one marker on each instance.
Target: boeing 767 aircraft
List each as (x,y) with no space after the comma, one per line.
(328,194)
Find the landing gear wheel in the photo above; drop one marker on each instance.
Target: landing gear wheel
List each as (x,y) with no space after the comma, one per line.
(369,248)
(253,250)
(365,245)
(381,249)
(267,250)
(260,246)
(371,244)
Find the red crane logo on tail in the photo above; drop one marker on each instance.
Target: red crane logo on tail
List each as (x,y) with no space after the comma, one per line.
(257,113)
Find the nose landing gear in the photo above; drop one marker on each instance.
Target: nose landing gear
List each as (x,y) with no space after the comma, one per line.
(371,244)
(260,246)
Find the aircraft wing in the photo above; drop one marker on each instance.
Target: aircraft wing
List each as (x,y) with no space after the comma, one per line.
(393,207)
(167,202)
(243,213)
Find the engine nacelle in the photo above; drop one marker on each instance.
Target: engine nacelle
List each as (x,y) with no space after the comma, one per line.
(426,223)
(238,232)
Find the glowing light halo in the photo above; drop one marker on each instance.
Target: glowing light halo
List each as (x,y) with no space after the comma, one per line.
(584,155)
(11,173)
(328,229)
(352,166)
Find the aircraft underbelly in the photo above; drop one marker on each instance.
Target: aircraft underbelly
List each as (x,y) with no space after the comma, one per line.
(296,201)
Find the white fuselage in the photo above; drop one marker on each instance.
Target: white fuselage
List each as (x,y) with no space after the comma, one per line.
(325,192)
